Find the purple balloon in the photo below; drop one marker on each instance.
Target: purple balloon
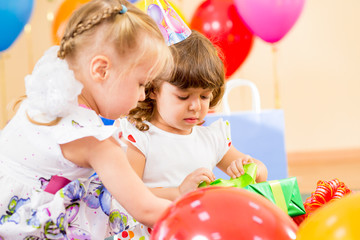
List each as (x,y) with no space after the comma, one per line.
(155,12)
(271,19)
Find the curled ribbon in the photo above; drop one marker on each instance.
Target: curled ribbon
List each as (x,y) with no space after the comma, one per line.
(326,191)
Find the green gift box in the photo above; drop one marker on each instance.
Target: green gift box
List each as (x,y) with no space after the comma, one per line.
(247,178)
(284,193)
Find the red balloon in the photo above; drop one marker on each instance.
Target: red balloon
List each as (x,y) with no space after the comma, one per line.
(222,24)
(218,213)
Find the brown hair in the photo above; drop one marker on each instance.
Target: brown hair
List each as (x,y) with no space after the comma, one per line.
(122,26)
(197,65)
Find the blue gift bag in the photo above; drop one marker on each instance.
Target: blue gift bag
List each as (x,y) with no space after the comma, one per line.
(259,133)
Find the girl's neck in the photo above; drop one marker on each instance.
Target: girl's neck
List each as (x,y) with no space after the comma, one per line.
(83,102)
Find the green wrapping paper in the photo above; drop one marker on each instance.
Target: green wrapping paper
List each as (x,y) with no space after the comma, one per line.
(284,193)
(247,178)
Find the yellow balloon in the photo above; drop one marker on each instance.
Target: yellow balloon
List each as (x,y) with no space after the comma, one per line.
(141,6)
(338,220)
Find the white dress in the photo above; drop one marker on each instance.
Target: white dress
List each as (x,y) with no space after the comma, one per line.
(43,195)
(171,157)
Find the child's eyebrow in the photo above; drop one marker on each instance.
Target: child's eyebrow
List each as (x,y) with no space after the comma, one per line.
(186,90)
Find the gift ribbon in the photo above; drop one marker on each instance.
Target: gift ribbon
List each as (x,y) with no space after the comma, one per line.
(278,195)
(326,191)
(246,179)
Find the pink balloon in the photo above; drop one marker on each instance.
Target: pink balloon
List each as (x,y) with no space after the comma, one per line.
(173,21)
(270,20)
(164,32)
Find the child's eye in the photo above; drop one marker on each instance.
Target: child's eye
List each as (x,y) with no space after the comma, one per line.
(183,98)
(205,97)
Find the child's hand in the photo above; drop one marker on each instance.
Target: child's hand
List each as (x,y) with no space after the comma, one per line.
(236,167)
(192,181)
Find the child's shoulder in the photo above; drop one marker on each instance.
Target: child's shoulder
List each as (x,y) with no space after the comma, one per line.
(218,124)
(219,127)
(80,123)
(128,127)
(129,132)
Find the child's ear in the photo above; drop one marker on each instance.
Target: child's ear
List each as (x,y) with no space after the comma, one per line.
(152,95)
(99,68)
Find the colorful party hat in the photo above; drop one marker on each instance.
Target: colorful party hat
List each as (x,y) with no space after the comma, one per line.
(172,27)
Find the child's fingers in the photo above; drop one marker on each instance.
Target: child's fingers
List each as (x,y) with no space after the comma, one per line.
(239,167)
(209,174)
(203,178)
(247,159)
(235,169)
(231,173)
(206,172)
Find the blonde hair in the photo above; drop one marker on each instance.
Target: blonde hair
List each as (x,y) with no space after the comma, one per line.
(122,26)
(127,31)
(197,65)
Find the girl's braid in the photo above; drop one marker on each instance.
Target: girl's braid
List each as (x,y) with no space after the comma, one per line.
(67,42)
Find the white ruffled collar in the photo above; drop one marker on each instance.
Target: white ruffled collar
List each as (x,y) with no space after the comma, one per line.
(52,90)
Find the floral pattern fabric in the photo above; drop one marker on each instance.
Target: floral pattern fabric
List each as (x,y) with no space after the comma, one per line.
(30,157)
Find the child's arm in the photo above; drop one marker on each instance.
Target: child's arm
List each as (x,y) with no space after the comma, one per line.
(190,183)
(233,161)
(114,170)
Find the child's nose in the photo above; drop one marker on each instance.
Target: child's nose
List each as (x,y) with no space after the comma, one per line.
(142,95)
(195,105)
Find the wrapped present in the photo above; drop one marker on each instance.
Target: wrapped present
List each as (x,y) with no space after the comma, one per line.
(247,178)
(284,193)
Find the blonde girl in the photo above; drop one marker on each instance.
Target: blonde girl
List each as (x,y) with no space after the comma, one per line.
(51,149)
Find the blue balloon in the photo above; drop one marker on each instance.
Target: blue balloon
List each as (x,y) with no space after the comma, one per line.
(133,1)
(14,14)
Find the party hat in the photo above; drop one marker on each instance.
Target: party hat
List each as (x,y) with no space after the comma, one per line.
(172,27)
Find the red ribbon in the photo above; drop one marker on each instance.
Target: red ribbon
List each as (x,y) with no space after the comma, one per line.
(326,191)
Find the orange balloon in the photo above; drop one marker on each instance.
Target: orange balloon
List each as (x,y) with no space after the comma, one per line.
(62,16)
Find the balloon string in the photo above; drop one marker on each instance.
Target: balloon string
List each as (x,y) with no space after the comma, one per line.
(3,91)
(276,79)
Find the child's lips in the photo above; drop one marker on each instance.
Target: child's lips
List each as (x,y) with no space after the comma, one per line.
(191,120)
